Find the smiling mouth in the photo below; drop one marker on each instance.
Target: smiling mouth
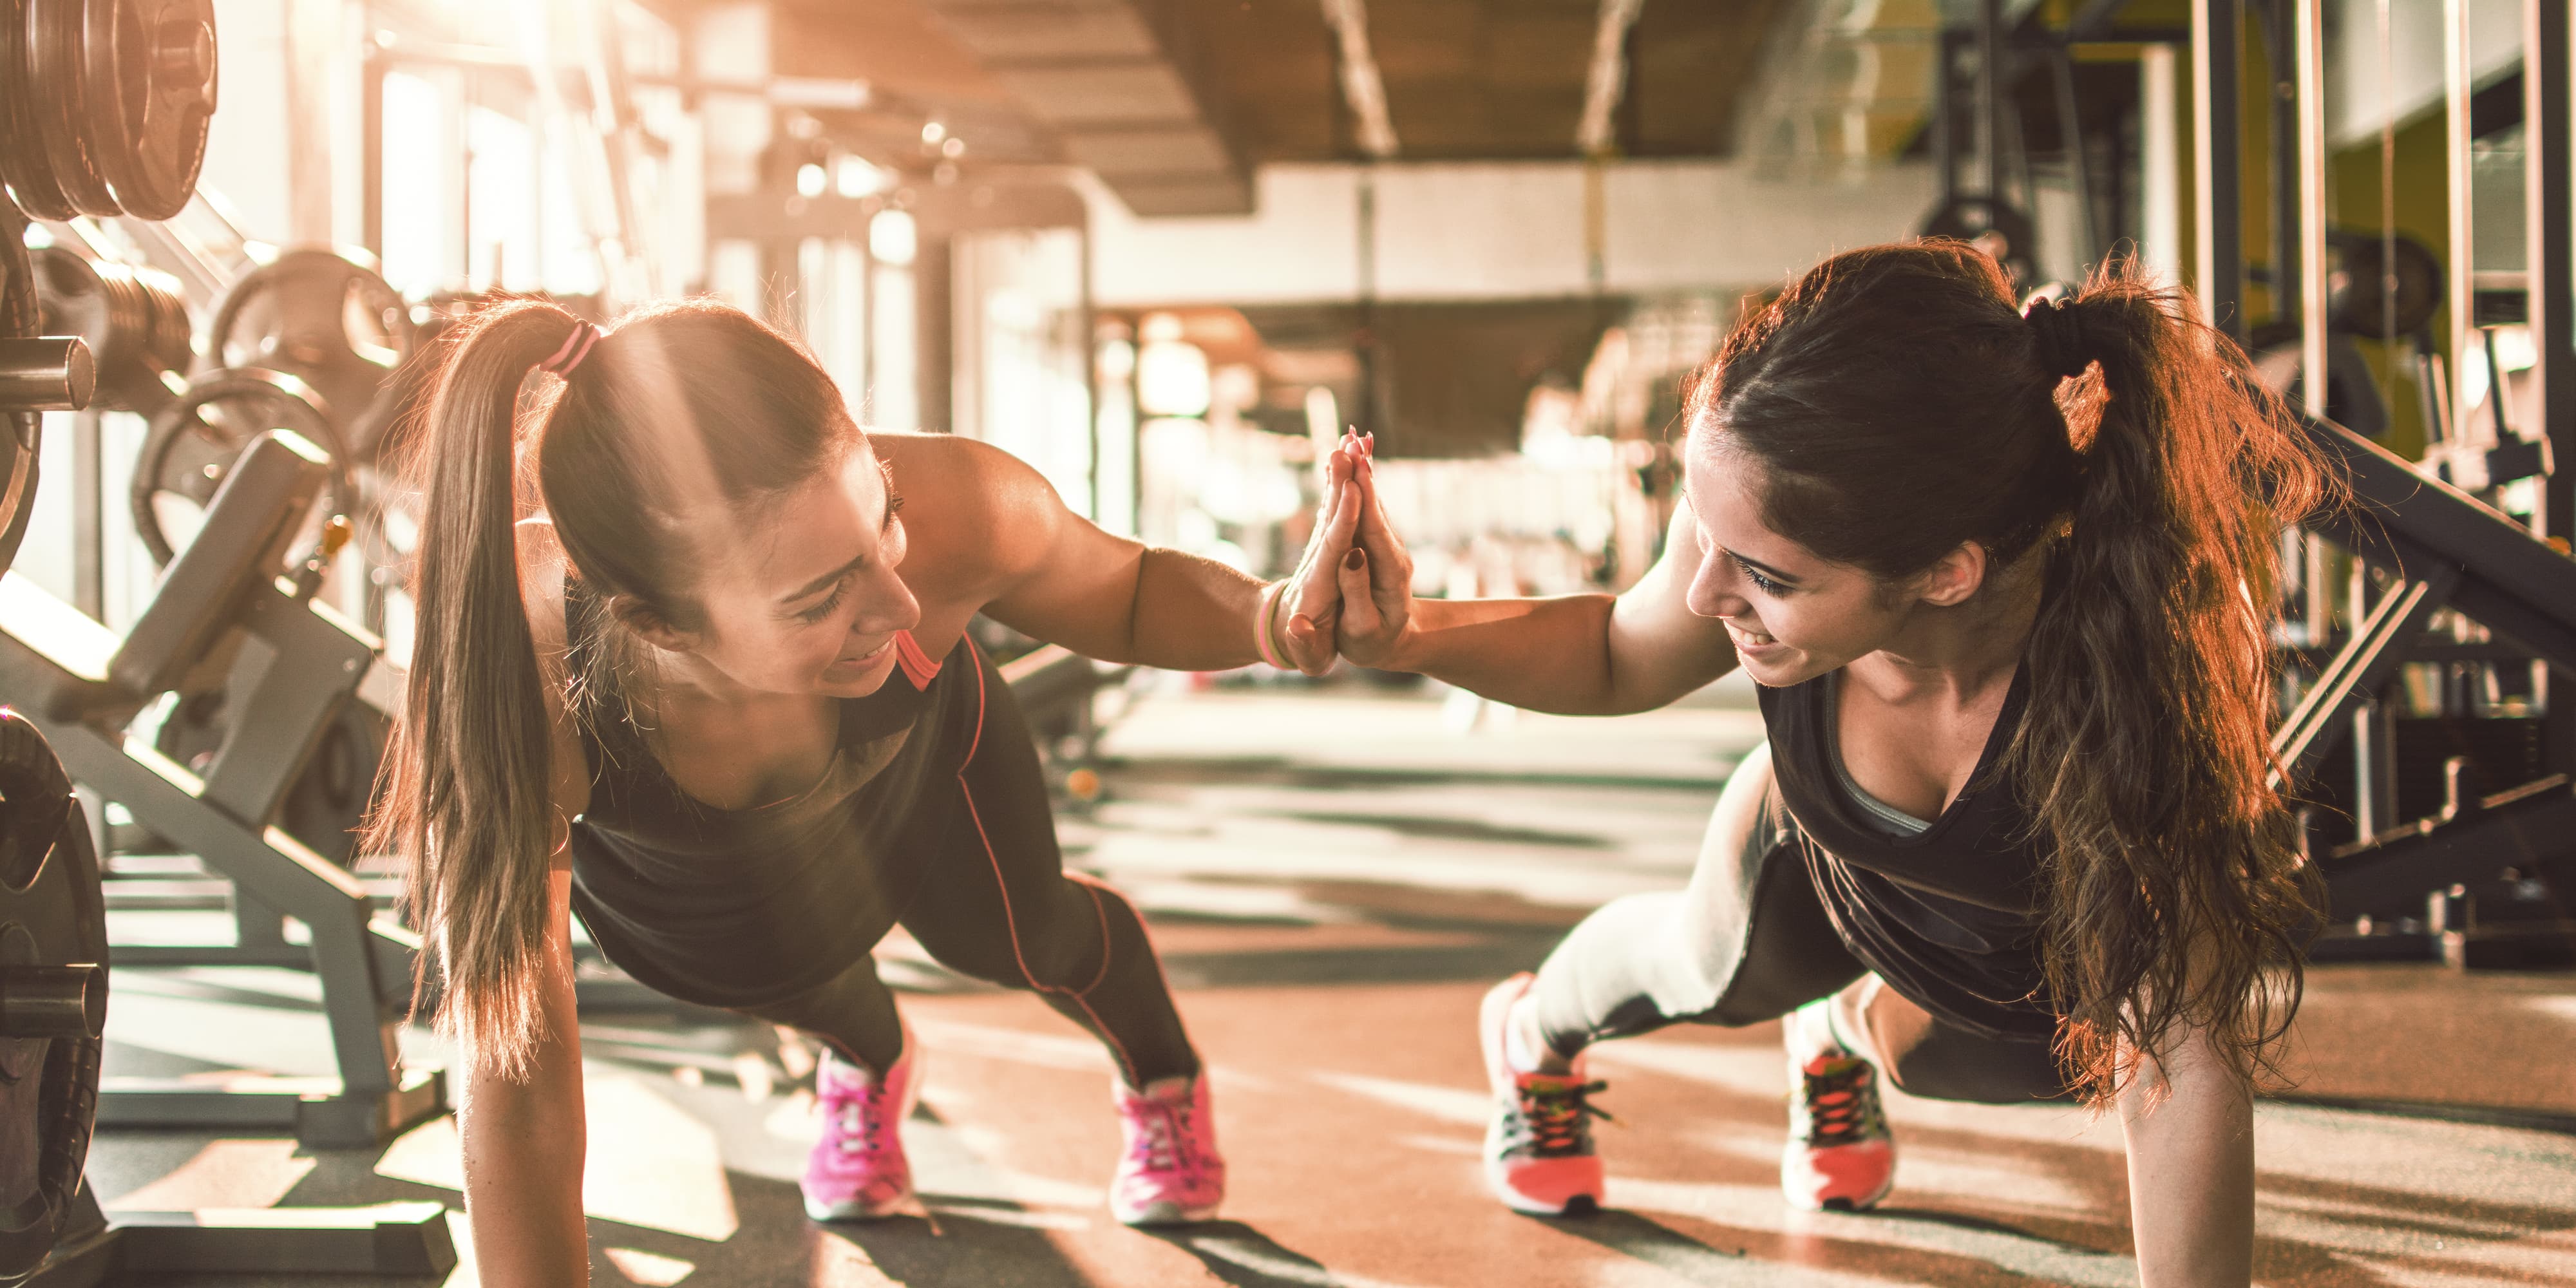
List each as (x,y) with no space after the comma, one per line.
(869,656)
(1755,639)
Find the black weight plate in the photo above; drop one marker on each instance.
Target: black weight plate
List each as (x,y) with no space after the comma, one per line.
(57,30)
(2361,306)
(20,431)
(187,452)
(293,315)
(151,76)
(51,914)
(22,150)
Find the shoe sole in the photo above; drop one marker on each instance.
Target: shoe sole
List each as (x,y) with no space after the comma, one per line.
(853,1210)
(1841,1204)
(1489,1034)
(1166,1214)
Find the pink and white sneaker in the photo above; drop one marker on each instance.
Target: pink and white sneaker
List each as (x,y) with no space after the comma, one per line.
(1539,1156)
(1170,1172)
(857,1171)
(1840,1156)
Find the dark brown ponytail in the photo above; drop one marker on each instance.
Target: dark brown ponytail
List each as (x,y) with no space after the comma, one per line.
(1900,405)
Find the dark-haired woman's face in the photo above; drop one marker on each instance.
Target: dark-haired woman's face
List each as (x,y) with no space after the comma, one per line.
(1793,615)
(809,602)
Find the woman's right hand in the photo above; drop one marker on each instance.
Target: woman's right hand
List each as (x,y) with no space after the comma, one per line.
(1377,576)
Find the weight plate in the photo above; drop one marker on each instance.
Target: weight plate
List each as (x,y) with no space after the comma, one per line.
(135,322)
(22,150)
(194,440)
(20,431)
(325,317)
(2359,305)
(57,30)
(52,914)
(151,81)
(327,803)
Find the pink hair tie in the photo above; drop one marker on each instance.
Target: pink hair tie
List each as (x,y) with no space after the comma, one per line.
(575,348)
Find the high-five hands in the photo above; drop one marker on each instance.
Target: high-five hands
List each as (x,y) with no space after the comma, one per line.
(1307,612)
(1376,574)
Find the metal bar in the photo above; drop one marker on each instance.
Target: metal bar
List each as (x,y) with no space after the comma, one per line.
(2551,223)
(1990,96)
(2219,194)
(2456,90)
(2079,162)
(2365,663)
(1945,114)
(2507,830)
(2279,20)
(89,522)
(2309,235)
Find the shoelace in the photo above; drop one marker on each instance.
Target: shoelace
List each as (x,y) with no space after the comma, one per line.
(1558,1117)
(862,1126)
(1159,1133)
(1839,1106)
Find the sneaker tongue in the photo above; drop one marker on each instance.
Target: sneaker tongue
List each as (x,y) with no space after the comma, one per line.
(1831,1063)
(1548,1081)
(1171,1090)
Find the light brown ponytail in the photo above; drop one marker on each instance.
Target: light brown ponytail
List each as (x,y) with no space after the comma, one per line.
(686,405)
(467,800)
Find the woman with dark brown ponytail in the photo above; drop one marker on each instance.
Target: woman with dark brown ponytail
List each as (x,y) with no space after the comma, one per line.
(691,662)
(2005,581)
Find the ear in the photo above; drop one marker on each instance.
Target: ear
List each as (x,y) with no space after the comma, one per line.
(650,625)
(1954,578)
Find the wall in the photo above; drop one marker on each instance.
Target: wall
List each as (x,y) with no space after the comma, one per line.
(1497,231)
(246,145)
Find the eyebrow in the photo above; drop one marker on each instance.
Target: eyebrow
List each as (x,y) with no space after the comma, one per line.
(1764,569)
(894,505)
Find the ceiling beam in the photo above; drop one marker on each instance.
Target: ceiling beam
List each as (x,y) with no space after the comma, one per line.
(1362,88)
(1607,80)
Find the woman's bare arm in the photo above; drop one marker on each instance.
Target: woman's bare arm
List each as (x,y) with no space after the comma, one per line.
(524,1140)
(1574,655)
(1055,575)
(2189,1120)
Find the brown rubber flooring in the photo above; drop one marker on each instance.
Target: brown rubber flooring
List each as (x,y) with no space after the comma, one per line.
(1334,881)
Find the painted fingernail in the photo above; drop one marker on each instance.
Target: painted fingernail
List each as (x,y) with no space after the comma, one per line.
(1355,560)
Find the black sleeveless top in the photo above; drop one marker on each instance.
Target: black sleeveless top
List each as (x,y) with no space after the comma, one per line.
(743,907)
(1949,917)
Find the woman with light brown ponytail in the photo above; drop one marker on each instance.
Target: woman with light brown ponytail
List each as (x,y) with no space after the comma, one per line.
(2005,581)
(691,662)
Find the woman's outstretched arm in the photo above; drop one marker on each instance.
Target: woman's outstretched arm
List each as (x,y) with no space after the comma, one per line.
(1057,576)
(1574,654)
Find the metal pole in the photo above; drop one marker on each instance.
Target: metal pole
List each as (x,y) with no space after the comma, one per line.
(2309,49)
(2456,88)
(2284,43)
(2079,166)
(2548,216)
(2218,196)
(1990,95)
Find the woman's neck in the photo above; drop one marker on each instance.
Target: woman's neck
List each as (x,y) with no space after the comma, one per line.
(1965,650)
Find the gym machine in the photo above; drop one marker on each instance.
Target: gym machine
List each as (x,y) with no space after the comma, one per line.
(103,108)
(2441,576)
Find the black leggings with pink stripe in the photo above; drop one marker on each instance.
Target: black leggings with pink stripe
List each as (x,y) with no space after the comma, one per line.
(995,903)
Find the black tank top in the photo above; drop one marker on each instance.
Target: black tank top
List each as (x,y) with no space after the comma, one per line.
(1950,917)
(743,907)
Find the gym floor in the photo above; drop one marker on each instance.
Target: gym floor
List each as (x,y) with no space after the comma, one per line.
(1334,878)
